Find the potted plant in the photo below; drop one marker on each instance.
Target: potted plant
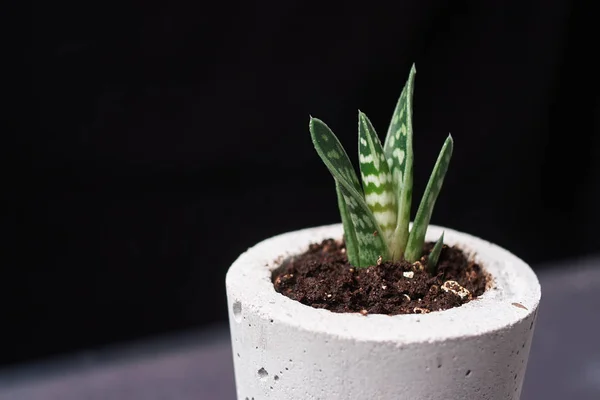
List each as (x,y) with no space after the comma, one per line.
(372,308)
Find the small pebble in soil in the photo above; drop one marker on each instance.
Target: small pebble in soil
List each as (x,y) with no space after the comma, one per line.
(454,287)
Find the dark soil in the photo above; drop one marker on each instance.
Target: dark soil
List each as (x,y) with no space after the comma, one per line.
(323,278)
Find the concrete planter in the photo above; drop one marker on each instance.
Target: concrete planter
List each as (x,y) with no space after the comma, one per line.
(284,350)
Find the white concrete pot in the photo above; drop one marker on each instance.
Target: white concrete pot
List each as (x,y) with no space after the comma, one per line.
(285,350)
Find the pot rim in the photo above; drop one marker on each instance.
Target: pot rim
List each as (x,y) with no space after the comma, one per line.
(513,296)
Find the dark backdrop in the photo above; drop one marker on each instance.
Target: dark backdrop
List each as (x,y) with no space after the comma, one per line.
(166,139)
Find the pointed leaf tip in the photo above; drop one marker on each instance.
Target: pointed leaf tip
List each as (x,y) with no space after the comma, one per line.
(362,117)
(416,237)
(434,256)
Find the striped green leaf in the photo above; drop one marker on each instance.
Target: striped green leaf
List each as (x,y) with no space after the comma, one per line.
(434,256)
(349,231)
(333,155)
(376,177)
(369,243)
(399,154)
(416,238)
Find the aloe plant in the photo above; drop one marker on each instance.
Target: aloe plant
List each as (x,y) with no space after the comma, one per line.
(376,214)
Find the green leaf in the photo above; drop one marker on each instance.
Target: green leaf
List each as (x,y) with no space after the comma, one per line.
(333,155)
(399,154)
(434,256)
(416,238)
(376,177)
(369,242)
(349,231)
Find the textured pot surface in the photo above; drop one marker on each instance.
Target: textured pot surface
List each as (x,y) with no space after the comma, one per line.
(285,350)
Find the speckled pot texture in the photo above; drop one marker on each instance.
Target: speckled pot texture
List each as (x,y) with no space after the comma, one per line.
(285,350)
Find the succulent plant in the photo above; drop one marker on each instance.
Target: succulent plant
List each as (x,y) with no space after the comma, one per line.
(376,214)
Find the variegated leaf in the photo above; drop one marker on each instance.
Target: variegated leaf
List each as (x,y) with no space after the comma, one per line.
(376,177)
(434,256)
(349,231)
(399,154)
(333,155)
(370,243)
(416,238)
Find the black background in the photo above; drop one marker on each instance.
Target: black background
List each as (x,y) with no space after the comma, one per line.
(163,140)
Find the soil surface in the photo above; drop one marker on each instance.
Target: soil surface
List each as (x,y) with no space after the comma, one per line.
(323,278)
